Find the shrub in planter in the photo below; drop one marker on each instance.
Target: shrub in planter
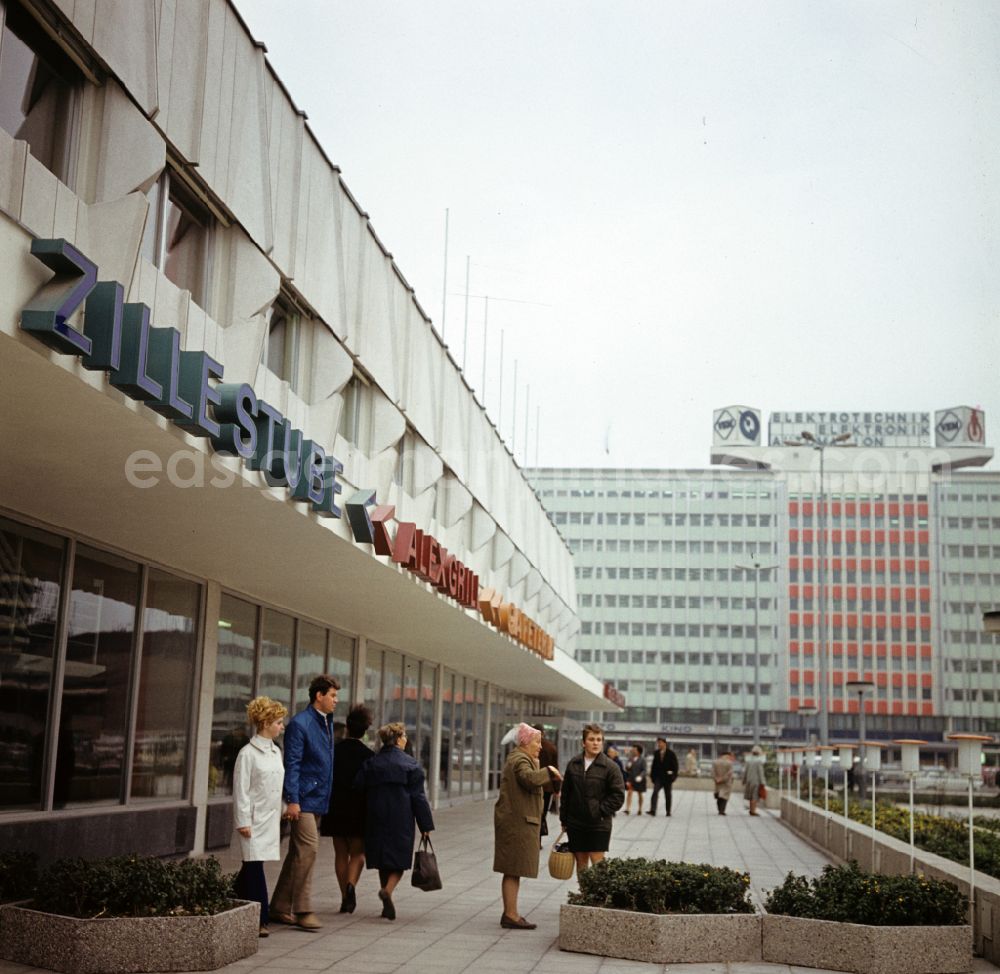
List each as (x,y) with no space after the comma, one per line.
(867,923)
(848,895)
(130,914)
(947,837)
(133,886)
(18,873)
(657,886)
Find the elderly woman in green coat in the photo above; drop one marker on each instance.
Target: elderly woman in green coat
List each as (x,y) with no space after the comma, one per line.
(517,820)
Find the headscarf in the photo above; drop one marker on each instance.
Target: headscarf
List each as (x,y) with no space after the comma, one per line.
(526,734)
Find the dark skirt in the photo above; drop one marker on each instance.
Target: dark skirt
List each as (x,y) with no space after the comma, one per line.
(588,840)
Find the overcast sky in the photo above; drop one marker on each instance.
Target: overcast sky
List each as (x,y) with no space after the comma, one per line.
(675,206)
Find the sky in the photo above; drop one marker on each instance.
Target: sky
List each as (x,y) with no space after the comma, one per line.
(673,207)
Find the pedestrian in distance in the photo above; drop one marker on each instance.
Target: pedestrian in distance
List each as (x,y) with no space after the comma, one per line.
(308,781)
(258,775)
(393,783)
(345,818)
(593,790)
(722,776)
(753,777)
(517,819)
(635,779)
(663,773)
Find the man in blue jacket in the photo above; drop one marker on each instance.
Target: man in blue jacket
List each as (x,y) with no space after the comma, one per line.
(308,780)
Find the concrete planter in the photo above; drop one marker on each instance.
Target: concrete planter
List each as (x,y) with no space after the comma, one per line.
(122,945)
(862,949)
(672,938)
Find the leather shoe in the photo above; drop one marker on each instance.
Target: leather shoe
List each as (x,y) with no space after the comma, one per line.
(307,921)
(284,918)
(263,932)
(350,899)
(650,813)
(519,924)
(388,909)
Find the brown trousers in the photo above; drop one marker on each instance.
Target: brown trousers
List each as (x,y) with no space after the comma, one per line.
(293,892)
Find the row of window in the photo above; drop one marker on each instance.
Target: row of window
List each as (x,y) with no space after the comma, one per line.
(695,493)
(652,657)
(853,634)
(971,696)
(690,630)
(668,574)
(855,605)
(834,520)
(981,498)
(974,665)
(668,686)
(901,664)
(971,551)
(679,547)
(859,549)
(851,576)
(672,602)
(969,523)
(970,578)
(668,520)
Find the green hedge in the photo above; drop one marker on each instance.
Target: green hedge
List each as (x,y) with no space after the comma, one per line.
(133,886)
(658,886)
(848,895)
(947,837)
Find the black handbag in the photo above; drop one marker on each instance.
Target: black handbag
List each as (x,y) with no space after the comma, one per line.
(426,875)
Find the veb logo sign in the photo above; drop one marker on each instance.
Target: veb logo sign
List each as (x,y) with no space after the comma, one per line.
(725,424)
(949,426)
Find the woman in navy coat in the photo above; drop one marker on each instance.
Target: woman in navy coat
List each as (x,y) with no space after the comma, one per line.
(394,787)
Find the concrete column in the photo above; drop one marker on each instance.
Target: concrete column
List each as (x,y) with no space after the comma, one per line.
(435,773)
(487,737)
(358,675)
(206,701)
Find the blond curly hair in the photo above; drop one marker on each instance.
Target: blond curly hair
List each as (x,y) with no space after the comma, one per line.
(263,711)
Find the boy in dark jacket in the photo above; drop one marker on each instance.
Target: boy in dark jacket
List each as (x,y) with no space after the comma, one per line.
(663,771)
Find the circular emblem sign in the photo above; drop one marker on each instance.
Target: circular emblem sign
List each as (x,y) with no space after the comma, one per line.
(749,425)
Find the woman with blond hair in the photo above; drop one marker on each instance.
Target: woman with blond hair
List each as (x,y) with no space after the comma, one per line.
(393,783)
(257,780)
(517,820)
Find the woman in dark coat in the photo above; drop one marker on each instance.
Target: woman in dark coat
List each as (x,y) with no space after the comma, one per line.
(394,789)
(345,820)
(592,791)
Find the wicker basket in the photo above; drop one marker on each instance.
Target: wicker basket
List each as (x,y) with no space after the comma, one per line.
(561,861)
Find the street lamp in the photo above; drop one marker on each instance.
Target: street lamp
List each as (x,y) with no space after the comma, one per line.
(809,440)
(910,761)
(861,687)
(756,567)
(970,759)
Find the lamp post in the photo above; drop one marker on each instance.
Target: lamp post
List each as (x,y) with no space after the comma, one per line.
(846,755)
(797,758)
(861,687)
(910,761)
(970,759)
(756,567)
(872,760)
(808,439)
(826,762)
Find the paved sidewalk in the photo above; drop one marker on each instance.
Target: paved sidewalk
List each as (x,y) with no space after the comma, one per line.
(458,928)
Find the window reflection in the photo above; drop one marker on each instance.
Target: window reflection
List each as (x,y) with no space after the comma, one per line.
(31,566)
(233,689)
(90,752)
(166,686)
(276,657)
(310,661)
(37,85)
(341,665)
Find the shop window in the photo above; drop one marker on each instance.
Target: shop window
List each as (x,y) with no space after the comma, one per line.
(356,415)
(277,640)
(178,235)
(166,687)
(234,672)
(310,660)
(31,571)
(39,86)
(90,753)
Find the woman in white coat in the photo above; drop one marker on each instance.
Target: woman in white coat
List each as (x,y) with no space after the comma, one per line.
(257,782)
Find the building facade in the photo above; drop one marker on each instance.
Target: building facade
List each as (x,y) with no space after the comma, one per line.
(866,534)
(236,454)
